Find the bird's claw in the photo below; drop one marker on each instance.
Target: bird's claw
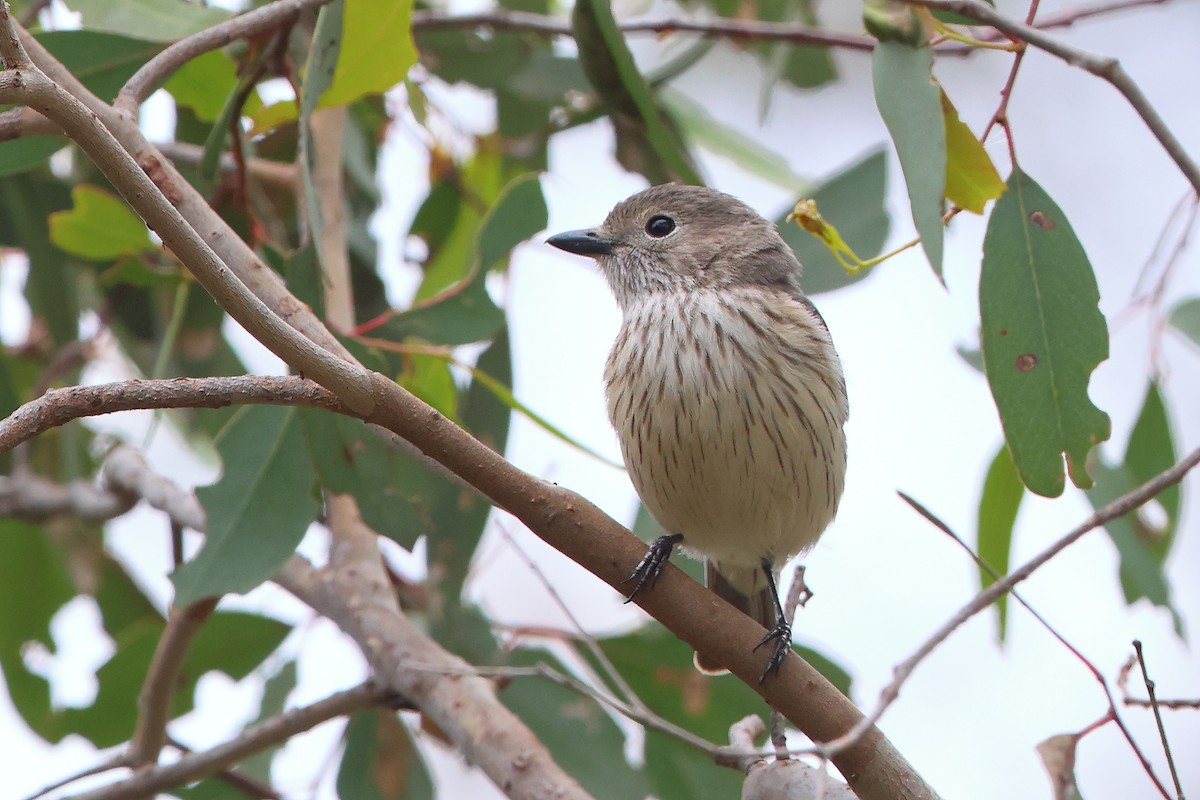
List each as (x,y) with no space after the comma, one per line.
(651,565)
(782,635)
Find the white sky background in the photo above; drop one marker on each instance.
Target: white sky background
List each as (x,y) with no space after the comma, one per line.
(921,421)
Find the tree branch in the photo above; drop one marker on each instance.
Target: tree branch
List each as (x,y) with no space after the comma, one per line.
(34,499)
(162,678)
(59,406)
(358,599)
(1117,508)
(256,738)
(1109,69)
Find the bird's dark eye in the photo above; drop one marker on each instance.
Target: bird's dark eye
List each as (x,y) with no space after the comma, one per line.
(659,226)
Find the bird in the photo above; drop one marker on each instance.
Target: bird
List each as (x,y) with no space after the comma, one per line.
(725,391)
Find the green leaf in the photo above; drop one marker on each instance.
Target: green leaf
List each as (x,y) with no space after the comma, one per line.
(381,760)
(460,515)
(430,379)
(204,84)
(971,177)
(152,20)
(853,200)
(646,139)
(51,285)
(394,491)
(102,61)
(461,316)
(100,227)
(909,101)
(1143,537)
(34,585)
(19,155)
(518,213)
(581,735)
(1185,318)
(258,511)
(1002,493)
(702,129)
(376,49)
(1042,335)
(318,76)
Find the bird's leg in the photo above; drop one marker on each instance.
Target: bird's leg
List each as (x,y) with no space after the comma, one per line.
(651,565)
(781,633)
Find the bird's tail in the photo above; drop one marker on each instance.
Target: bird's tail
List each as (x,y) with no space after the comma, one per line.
(744,588)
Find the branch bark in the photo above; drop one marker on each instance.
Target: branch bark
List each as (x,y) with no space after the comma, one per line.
(254,739)
(59,406)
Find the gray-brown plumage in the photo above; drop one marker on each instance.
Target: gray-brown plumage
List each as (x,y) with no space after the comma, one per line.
(724,388)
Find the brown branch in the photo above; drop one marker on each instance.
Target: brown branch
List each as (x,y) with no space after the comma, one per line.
(1117,508)
(358,598)
(34,499)
(254,739)
(60,406)
(1104,67)
(156,70)
(162,679)
(279,173)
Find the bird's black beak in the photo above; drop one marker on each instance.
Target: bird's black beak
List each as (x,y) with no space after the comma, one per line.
(582,243)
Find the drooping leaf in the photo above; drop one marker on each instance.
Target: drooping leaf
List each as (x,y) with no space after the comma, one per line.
(152,20)
(1144,536)
(971,177)
(381,760)
(204,84)
(998,506)
(258,511)
(376,49)
(646,139)
(318,77)
(909,101)
(1185,318)
(1058,757)
(1042,335)
(100,227)
(853,200)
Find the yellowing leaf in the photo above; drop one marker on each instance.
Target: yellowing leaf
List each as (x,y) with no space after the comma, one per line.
(971,177)
(376,49)
(99,228)
(267,118)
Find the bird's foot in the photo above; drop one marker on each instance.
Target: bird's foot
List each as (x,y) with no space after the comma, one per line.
(782,636)
(651,565)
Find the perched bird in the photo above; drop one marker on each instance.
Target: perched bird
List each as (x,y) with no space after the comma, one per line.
(725,392)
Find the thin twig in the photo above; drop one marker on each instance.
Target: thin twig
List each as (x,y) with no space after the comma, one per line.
(230,776)
(1162,732)
(581,633)
(1104,67)
(253,739)
(1113,715)
(60,406)
(1127,699)
(1119,507)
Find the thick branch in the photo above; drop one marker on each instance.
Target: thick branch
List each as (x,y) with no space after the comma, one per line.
(358,598)
(255,739)
(34,499)
(1103,67)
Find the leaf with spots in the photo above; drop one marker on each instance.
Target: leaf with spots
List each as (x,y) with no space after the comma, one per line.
(1043,335)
